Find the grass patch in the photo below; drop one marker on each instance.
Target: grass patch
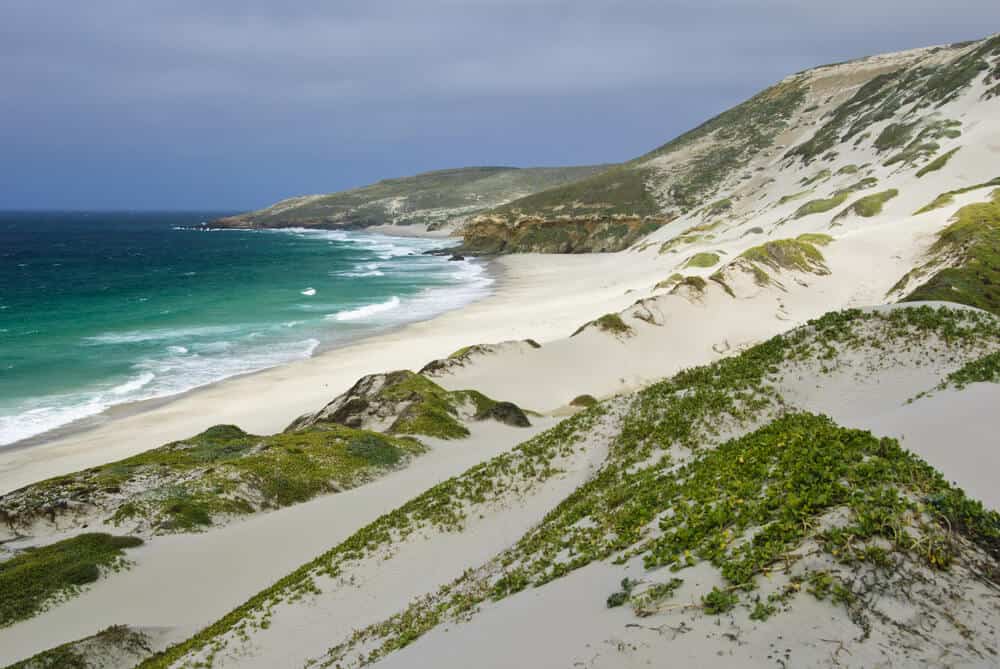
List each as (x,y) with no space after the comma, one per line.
(187,485)
(703,260)
(694,283)
(669,282)
(926,142)
(34,578)
(820,206)
(431,410)
(110,642)
(970,245)
(937,163)
(946,198)
(868,206)
(815,238)
(611,323)
(894,135)
(719,206)
(838,198)
(981,370)
(794,196)
(819,176)
(789,254)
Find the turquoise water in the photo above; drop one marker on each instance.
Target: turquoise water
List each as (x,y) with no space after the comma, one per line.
(102,309)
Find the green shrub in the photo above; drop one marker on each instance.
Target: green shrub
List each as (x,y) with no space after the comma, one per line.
(374,450)
(972,245)
(618,598)
(612,323)
(790,254)
(868,206)
(894,135)
(703,260)
(32,578)
(838,198)
(944,199)
(937,163)
(719,601)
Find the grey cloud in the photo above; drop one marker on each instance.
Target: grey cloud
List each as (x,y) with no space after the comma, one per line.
(385,86)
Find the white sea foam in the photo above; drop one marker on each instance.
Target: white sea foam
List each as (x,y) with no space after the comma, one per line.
(367,311)
(133,385)
(362,270)
(309,292)
(139,336)
(178,349)
(156,377)
(212,347)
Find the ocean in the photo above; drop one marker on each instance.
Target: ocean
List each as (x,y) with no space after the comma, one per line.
(99,309)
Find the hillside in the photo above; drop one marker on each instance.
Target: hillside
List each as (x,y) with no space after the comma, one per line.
(800,147)
(429,199)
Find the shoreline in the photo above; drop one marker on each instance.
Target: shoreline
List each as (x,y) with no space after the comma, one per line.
(138,407)
(537,296)
(128,407)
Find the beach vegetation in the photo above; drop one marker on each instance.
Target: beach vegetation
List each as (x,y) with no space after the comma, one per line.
(822,175)
(839,196)
(794,196)
(815,238)
(719,206)
(223,472)
(867,206)
(611,323)
(798,254)
(703,260)
(114,641)
(981,370)
(937,163)
(894,135)
(946,198)
(670,281)
(36,577)
(618,598)
(968,254)
(693,283)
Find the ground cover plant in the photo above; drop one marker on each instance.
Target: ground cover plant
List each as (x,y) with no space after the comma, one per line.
(34,578)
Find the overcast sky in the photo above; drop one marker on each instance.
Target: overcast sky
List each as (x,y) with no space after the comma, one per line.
(233,104)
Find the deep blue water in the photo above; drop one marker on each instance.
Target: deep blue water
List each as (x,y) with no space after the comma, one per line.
(101,309)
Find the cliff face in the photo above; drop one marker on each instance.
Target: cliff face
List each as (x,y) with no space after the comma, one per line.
(491,235)
(434,199)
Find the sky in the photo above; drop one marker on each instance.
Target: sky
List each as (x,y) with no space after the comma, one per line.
(234,104)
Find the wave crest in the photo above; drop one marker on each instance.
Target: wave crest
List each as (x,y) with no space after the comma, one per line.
(367,310)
